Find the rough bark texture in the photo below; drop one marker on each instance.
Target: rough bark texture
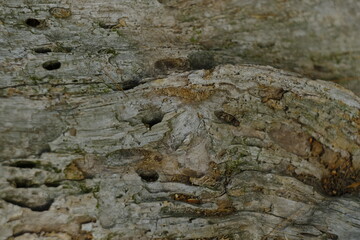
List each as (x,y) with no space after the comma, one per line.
(318,38)
(108,131)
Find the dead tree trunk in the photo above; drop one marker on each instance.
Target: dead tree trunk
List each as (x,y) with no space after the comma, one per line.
(121,120)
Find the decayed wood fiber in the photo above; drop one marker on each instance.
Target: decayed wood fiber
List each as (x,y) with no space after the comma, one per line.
(237,152)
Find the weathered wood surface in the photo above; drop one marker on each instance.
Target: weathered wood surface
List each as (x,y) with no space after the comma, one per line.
(108,132)
(318,38)
(241,152)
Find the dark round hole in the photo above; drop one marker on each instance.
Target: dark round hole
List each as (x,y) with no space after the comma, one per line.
(42,50)
(23,164)
(51,65)
(152,119)
(148,175)
(32,22)
(52,184)
(130,84)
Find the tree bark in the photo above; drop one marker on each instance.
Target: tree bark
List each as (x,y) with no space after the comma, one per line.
(123,120)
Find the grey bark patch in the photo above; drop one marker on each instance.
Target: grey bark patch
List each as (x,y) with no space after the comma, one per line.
(171,64)
(36,128)
(291,140)
(33,198)
(267,92)
(60,12)
(123,157)
(201,60)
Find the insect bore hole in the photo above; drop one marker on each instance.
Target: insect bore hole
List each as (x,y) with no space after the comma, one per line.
(130,84)
(23,164)
(32,22)
(51,65)
(148,175)
(152,119)
(42,50)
